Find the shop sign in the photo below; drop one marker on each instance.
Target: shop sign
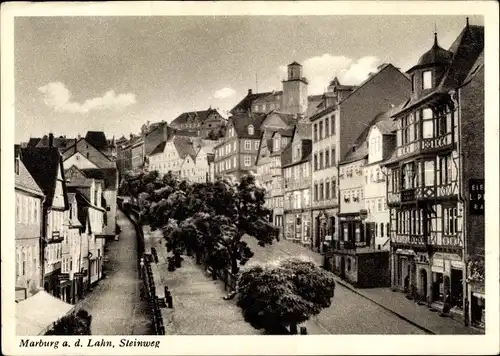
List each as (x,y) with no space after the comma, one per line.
(79,274)
(476,196)
(63,276)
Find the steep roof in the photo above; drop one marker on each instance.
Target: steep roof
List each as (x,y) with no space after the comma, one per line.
(24,181)
(60,142)
(466,49)
(306,153)
(271,97)
(247,101)
(242,121)
(184,147)
(435,56)
(33,141)
(44,163)
(159,149)
(200,115)
(475,68)
(107,175)
(97,139)
(384,122)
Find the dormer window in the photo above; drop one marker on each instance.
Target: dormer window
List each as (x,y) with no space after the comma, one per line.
(427,79)
(250,129)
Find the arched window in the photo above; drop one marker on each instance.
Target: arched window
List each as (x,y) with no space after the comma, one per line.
(250,130)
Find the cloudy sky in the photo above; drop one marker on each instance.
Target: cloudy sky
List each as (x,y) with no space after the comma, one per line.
(74,74)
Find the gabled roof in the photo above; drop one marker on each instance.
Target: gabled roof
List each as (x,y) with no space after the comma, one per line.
(199,115)
(247,101)
(306,153)
(60,142)
(159,149)
(74,146)
(33,141)
(184,147)
(107,175)
(97,139)
(24,181)
(241,122)
(44,163)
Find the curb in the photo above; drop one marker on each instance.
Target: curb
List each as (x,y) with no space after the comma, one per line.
(344,284)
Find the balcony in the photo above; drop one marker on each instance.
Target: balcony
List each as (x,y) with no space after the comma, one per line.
(439,142)
(446,240)
(403,239)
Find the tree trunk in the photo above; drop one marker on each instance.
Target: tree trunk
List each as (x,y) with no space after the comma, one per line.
(234,264)
(293,329)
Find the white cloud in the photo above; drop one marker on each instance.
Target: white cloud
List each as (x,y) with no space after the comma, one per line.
(58,97)
(224,93)
(320,70)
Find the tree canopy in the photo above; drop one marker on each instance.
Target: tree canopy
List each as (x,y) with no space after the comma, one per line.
(207,219)
(284,293)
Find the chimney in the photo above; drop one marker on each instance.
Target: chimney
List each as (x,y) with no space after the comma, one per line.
(78,136)
(51,139)
(165,132)
(249,91)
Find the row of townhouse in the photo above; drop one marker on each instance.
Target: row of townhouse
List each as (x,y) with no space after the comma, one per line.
(65,210)
(385,178)
(186,157)
(136,152)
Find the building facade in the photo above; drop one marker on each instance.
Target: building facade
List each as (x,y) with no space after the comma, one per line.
(29,218)
(429,176)
(296,172)
(236,154)
(334,131)
(200,123)
(46,166)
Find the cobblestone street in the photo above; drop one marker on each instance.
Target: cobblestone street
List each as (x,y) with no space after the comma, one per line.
(115,303)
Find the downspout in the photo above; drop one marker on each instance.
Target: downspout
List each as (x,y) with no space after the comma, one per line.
(462,200)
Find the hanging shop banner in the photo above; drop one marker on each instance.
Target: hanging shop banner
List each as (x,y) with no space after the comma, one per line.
(476,196)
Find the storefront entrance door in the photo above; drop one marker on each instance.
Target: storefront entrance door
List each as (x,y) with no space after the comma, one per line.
(456,288)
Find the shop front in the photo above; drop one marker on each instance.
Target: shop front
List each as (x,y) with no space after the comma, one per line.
(298,227)
(65,286)
(51,282)
(447,280)
(324,229)
(405,269)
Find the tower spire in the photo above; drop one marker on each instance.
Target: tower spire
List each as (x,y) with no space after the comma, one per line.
(435,35)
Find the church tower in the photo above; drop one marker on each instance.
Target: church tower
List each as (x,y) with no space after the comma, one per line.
(294,91)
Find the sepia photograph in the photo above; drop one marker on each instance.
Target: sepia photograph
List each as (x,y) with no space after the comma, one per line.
(224,174)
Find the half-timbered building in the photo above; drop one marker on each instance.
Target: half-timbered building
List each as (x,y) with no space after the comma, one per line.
(424,186)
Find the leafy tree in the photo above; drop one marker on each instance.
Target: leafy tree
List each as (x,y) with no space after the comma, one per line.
(284,293)
(73,324)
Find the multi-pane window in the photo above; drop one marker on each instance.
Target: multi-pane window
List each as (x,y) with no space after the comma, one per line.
(315,191)
(248,145)
(450,221)
(315,158)
(315,132)
(327,190)
(429,173)
(334,189)
(333,123)
(321,160)
(427,123)
(327,127)
(445,169)
(334,162)
(321,191)
(327,158)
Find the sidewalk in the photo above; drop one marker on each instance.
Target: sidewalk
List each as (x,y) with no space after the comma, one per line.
(418,315)
(198,307)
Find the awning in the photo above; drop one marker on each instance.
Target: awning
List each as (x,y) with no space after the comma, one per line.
(37,314)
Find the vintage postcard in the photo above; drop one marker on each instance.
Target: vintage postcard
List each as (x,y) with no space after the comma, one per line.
(232,178)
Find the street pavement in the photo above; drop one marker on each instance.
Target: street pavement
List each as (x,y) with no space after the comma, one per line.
(198,304)
(115,303)
(350,313)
